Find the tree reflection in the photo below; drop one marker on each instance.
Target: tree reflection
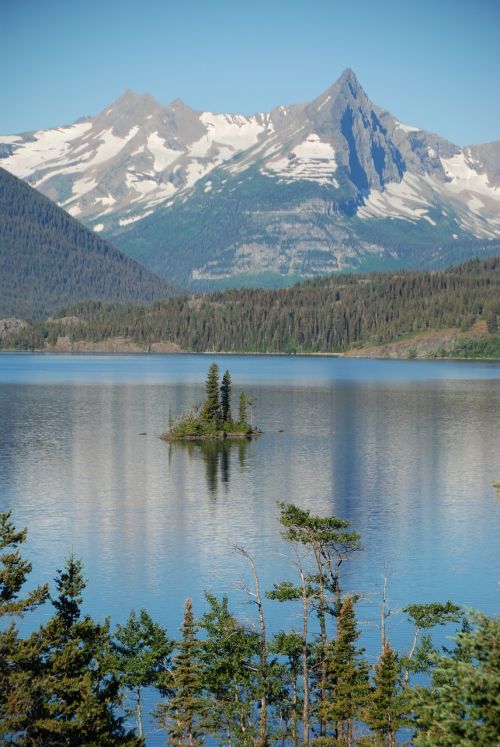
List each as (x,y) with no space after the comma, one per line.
(216,456)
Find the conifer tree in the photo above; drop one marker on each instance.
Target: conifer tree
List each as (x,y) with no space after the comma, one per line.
(142,654)
(331,543)
(211,406)
(290,646)
(347,677)
(14,570)
(462,706)
(74,691)
(225,397)
(385,713)
(183,715)
(230,671)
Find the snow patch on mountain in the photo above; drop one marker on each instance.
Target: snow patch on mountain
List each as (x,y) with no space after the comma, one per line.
(163,155)
(233,130)
(403,200)
(310,160)
(41,149)
(405,127)
(462,176)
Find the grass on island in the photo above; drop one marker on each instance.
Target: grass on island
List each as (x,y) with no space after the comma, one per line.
(213,419)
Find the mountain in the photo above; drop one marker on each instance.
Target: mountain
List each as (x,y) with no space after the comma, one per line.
(336,183)
(48,259)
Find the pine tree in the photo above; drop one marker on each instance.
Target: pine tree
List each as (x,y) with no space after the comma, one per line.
(211,406)
(346,677)
(385,713)
(462,707)
(14,700)
(73,690)
(142,654)
(225,397)
(230,671)
(331,543)
(184,714)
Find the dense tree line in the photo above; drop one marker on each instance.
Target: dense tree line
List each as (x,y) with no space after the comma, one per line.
(73,681)
(47,258)
(329,314)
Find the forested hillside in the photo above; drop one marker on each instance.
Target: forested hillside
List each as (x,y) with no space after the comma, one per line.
(48,259)
(332,314)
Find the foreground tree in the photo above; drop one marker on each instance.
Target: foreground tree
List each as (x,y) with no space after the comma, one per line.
(73,692)
(230,654)
(462,706)
(425,617)
(331,542)
(184,714)
(347,678)
(388,704)
(14,571)
(142,655)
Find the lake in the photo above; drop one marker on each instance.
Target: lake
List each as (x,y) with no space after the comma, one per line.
(406,450)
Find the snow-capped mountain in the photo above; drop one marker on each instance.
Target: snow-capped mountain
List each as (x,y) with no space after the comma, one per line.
(117,167)
(334,183)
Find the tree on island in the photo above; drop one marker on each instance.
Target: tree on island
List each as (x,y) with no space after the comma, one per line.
(213,419)
(225,397)
(211,406)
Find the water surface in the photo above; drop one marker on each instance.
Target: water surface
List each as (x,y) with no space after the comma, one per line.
(406,450)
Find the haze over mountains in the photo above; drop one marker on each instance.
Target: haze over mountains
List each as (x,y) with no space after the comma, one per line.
(207,199)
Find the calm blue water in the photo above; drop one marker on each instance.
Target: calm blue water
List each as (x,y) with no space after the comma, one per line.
(406,450)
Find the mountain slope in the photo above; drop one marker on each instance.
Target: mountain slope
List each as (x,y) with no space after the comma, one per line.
(48,259)
(426,313)
(215,199)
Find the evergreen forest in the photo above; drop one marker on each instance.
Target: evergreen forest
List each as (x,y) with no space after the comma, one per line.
(77,682)
(332,314)
(48,259)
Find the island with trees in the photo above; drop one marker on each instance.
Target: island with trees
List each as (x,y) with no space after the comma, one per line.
(213,419)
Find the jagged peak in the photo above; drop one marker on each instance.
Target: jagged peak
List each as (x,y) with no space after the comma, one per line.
(130,100)
(349,76)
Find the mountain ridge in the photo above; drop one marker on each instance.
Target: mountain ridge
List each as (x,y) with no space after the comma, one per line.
(48,259)
(334,183)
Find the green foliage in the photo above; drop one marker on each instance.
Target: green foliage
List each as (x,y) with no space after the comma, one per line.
(329,314)
(212,420)
(142,656)
(183,716)
(72,695)
(230,657)
(388,705)
(346,676)
(225,397)
(63,685)
(48,259)
(211,406)
(14,571)
(462,706)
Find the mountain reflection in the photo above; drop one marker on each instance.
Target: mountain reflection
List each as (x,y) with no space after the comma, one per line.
(216,456)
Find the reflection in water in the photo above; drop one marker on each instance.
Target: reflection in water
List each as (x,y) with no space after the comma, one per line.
(216,455)
(408,460)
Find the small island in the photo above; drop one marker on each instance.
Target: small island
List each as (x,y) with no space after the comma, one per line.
(213,419)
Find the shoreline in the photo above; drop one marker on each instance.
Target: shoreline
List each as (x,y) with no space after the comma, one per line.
(353,354)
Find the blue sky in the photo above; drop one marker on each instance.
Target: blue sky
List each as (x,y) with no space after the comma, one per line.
(434,65)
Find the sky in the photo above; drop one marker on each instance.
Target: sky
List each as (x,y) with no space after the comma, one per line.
(434,64)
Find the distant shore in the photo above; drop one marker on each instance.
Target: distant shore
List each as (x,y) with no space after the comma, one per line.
(440,344)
